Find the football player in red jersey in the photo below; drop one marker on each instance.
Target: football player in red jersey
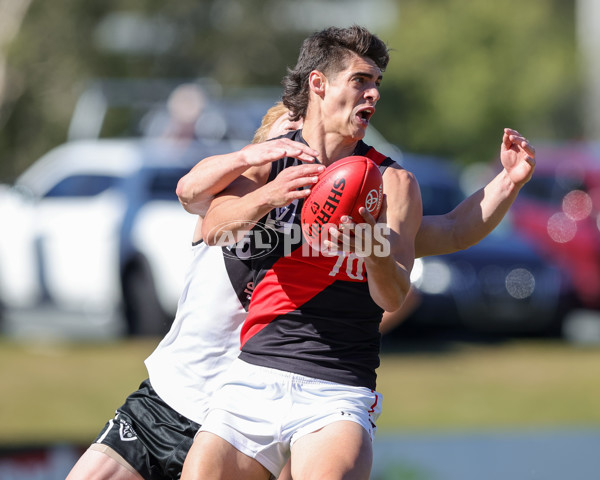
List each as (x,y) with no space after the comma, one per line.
(305,379)
(468,223)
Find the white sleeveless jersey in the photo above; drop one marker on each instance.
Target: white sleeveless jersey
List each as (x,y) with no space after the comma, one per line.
(186,367)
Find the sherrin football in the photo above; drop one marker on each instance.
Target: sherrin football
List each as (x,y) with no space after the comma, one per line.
(343,187)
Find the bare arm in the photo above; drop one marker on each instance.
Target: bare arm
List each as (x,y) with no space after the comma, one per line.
(389,276)
(213,174)
(391,320)
(249,198)
(388,258)
(476,216)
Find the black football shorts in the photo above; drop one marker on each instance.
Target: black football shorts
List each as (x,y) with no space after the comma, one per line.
(152,437)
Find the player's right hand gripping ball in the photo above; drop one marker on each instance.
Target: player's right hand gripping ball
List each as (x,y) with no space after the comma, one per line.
(342,188)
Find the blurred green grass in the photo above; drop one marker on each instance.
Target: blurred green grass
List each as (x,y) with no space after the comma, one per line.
(65,392)
(515,384)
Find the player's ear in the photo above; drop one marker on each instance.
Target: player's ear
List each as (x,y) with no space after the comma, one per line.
(316,82)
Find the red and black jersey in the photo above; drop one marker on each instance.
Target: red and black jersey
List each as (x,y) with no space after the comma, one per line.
(310,313)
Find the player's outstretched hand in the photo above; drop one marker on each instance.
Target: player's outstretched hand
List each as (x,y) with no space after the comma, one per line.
(258,154)
(517,156)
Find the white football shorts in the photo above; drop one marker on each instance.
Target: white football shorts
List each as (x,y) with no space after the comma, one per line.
(262,411)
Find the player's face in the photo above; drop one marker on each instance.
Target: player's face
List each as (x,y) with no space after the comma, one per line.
(283,125)
(351,96)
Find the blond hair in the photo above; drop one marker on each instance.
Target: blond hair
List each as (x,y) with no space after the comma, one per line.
(270,117)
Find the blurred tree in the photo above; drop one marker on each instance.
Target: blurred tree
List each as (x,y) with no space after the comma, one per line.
(64,43)
(462,70)
(12,13)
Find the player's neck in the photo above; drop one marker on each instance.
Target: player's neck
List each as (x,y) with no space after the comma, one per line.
(331,146)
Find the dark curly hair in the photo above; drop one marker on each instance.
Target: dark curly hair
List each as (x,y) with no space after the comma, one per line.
(327,51)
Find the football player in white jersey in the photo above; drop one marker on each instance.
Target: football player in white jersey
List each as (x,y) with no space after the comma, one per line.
(153,430)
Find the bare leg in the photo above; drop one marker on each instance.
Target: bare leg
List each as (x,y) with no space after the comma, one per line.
(286,473)
(211,457)
(107,465)
(341,450)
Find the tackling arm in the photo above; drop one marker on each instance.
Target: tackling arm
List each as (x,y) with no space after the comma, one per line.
(249,198)
(212,175)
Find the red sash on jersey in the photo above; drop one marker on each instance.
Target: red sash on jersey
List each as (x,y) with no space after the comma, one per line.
(292,281)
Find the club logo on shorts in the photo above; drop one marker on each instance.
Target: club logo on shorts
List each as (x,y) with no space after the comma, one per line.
(126,432)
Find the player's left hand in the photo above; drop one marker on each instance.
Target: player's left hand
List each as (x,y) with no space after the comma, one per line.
(517,156)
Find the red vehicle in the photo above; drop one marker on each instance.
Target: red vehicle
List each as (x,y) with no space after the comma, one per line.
(559,210)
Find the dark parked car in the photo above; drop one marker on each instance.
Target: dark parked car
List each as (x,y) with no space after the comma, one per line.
(500,285)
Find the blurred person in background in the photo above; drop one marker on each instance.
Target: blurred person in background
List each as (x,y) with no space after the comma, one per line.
(178,118)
